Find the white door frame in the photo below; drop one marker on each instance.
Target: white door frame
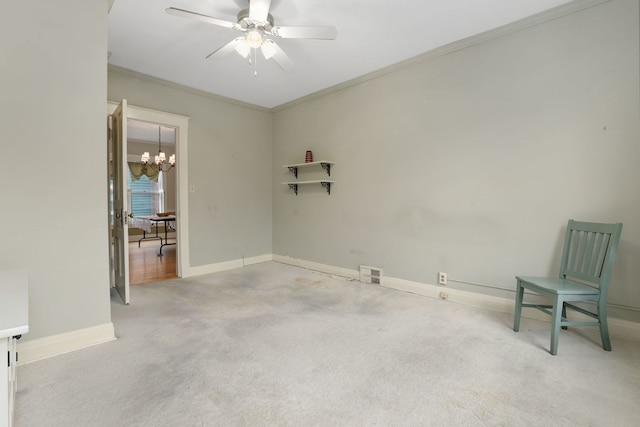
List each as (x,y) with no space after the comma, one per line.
(181,124)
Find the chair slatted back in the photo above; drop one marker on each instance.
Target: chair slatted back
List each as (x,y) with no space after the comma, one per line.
(589,252)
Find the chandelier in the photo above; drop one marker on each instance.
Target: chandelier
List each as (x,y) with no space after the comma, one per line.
(160,159)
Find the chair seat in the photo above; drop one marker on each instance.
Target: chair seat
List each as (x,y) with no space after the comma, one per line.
(558,286)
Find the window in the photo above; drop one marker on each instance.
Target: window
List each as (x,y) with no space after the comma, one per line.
(146,197)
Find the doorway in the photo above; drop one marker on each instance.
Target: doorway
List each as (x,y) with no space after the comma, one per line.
(152,198)
(179,249)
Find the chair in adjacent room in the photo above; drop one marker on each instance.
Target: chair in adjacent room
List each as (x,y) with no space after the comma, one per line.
(587,262)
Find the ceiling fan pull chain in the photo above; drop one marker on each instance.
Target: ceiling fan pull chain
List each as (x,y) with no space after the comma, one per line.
(255,63)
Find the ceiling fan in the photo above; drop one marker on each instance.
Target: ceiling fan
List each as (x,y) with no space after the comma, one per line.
(258,25)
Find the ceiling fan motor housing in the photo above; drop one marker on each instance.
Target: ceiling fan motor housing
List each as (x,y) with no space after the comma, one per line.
(248,24)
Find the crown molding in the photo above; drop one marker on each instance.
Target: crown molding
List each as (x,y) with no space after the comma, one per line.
(169,84)
(528,22)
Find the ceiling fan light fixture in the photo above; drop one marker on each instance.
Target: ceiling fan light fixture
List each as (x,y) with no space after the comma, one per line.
(243,48)
(254,39)
(268,49)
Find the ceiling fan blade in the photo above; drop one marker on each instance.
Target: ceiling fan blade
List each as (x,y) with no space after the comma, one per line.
(200,17)
(226,49)
(278,55)
(259,9)
(312,32)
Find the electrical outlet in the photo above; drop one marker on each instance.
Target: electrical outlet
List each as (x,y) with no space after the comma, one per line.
(442,278)
(444,295)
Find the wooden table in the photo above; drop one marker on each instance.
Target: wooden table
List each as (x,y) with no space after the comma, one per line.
(155,220)
(164,219)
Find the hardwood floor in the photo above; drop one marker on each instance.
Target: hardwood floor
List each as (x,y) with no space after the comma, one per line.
(145,266)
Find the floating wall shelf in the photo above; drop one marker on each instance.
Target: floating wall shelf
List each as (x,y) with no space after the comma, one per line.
(326,165)
(325,183)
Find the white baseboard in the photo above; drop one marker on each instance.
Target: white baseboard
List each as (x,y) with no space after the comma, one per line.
(258,259)
(323,268)
(226,265)
(453,295)
(213,268)
(42,348)
(617,327)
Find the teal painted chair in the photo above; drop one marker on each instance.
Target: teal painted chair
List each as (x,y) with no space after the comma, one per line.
(587,261)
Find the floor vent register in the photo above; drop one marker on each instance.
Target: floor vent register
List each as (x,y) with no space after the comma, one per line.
(370,275)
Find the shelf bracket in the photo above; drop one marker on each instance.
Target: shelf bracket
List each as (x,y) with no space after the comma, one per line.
(294,187)
(326,185)
(327,167)
(294,170)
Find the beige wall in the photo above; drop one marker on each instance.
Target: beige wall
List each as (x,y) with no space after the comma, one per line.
(229,167)
(472,162)
(53,177)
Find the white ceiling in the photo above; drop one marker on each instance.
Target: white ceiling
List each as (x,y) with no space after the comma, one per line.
(372,34)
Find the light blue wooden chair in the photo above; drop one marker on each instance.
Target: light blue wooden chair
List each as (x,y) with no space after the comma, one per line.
(587,261)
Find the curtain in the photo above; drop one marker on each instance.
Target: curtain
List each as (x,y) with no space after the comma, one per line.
(138,169)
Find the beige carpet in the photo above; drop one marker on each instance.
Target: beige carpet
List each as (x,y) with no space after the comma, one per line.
(272,344)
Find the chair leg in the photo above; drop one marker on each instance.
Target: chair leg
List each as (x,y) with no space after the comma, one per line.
(564,314)
(604,326)
(555,325)
(518,309)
